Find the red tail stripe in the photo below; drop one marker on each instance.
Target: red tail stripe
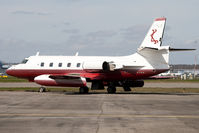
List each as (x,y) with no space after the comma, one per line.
(160,19)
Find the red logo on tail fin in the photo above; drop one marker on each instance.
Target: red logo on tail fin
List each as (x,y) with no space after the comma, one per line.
(152,39)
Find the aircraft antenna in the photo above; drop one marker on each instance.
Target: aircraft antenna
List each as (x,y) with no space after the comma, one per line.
(37,54)
(76,54)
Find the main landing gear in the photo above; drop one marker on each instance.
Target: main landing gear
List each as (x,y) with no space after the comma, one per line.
(83,90)
(126,88)
(111,88)
(42,89)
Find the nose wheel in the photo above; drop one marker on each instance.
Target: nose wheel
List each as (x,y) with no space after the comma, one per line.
(42,89)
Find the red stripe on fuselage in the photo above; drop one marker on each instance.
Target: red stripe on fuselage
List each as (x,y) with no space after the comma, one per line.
(110,75)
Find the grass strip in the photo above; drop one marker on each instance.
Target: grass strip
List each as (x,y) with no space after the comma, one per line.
(172,80)
(12,79)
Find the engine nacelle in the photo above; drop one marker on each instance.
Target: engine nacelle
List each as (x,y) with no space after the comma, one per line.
(96,66)
(66,82)
(108,66)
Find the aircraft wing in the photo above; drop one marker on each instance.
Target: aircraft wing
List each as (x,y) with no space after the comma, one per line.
(57,76)
(75,76)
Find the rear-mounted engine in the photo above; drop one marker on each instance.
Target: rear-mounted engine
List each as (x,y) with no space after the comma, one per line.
(99,66)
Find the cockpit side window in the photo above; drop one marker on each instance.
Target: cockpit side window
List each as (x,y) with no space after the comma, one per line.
(24,61)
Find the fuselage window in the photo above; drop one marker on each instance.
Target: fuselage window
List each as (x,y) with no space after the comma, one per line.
(51,64)
(42,64)
(60,65)
(69,64)
(78,64)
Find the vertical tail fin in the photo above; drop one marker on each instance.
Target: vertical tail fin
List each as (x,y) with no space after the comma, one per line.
(153,39)
(151,49)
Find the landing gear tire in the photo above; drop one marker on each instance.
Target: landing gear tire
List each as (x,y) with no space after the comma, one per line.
(111,89)
(83,90)
(126,88)
(42,89)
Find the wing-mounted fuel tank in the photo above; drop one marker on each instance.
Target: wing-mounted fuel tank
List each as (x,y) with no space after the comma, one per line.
(100,66)
(48,80)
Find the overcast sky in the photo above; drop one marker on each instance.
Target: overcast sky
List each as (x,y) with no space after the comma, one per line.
(94,27)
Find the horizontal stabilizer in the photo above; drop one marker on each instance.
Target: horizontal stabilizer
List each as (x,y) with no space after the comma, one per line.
(180,49)
(168,48)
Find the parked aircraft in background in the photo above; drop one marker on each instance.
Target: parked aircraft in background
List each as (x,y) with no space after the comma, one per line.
(150,59)
(4,65)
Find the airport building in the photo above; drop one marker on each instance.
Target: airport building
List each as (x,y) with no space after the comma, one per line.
(182,68)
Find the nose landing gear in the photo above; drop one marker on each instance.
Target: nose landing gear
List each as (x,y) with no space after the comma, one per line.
(42,89)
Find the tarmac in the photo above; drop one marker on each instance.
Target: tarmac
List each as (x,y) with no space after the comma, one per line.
(147,84)
(33,112)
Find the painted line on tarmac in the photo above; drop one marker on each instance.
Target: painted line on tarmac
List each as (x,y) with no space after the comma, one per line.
(96,115)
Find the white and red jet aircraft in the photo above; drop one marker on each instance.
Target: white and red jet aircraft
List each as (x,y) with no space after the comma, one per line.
(150,59)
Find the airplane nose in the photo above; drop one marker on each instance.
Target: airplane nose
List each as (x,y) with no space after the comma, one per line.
(10,71)
(14,71)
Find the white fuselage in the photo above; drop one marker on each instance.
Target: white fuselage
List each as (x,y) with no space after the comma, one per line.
(84,64)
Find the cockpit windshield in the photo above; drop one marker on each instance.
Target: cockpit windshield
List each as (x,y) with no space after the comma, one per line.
(24,61)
